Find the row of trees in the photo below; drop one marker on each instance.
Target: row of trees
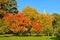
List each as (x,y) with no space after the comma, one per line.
(27,22)
(30,22)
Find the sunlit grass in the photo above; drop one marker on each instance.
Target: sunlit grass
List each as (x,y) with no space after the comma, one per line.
(26,38)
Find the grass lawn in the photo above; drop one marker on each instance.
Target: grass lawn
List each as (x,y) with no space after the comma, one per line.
(26,38)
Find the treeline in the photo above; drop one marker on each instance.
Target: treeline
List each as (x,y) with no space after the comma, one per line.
(29,22)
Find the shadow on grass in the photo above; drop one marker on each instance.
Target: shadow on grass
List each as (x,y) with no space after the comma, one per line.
(19,36)
(6,35)
(55,38)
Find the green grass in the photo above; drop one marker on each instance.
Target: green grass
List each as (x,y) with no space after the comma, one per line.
(26,38)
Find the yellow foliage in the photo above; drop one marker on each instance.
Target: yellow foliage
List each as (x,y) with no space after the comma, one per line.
(2,11)
(4,1)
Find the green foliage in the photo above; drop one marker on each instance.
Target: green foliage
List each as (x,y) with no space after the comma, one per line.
(3,27)
(8,6)
(12,7)
(56,21)
(56,24)
(57,32)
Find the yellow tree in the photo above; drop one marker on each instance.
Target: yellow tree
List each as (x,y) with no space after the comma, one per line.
(31,13)
(46,21)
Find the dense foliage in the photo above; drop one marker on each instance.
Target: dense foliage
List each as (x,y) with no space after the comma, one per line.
(28,22)
(8,6)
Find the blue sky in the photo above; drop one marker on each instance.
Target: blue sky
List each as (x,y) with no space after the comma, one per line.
(50,6)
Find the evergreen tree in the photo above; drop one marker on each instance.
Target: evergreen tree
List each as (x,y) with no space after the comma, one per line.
(12,6)
(9,6)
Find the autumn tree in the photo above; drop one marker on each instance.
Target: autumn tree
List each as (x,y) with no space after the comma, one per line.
(31,13)
(46,22)
(36,28)
(18,23)
(8,17)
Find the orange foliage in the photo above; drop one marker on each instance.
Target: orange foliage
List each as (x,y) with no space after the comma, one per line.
(36,26)
(16,28)
(18,16)
(17,22)
(8,17)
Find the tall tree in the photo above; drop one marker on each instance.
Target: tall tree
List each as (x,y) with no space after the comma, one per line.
(46,21)
(9,6)
(56,23)
(12,7)
(32,14)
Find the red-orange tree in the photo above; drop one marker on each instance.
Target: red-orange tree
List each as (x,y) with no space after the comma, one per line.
(18,22)
(21,24)
(36,28)
(8,17)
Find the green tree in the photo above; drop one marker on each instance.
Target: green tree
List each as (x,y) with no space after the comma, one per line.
(56,23)
(12,7)
(9,6)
